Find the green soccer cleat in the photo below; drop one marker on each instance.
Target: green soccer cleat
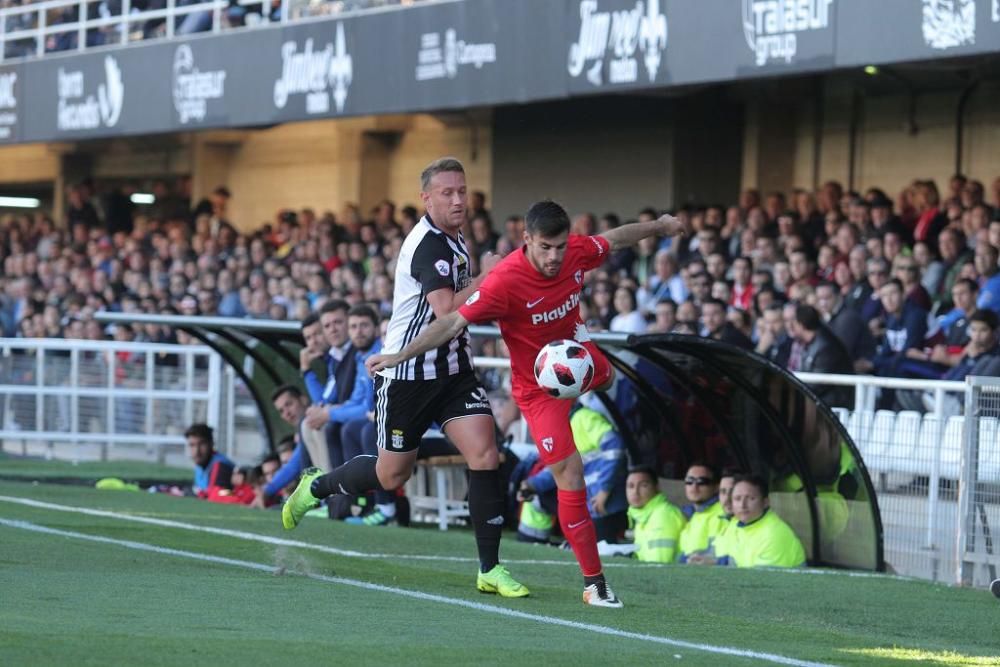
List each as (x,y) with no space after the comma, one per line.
(301,501)
(499,581)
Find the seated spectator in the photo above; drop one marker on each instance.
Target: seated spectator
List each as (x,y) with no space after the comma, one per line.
(877,270)
(845,323)
(989,276)
(291,406)
(822,352)
(952,335)
(720,546)
(742,291)
(955,254)
(905,269)
(628,319)
(665,317)
(773,341)
(902,329)
(701,488)
(212,470)
(665,282)
(656,523)
(717,327)
(760,538)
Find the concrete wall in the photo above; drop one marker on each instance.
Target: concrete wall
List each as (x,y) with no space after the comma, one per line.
(888,153)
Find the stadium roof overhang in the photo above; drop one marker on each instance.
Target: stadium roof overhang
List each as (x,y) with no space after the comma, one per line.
(678,399)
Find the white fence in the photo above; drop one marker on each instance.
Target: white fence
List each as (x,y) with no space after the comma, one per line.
(104,400)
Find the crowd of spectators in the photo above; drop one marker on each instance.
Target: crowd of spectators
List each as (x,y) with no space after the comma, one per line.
(831,281)
(234,15)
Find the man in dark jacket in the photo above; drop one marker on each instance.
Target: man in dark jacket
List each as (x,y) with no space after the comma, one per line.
(845,323)
(822,353)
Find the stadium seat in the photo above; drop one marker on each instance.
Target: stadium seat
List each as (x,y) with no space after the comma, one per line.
(989,451)
(880,439)
(859,427)
(901,443)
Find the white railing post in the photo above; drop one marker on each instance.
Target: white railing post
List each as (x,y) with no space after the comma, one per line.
(966,508)
(212,416)
(934,483)
(150,386)
(284,11)
(40,27)
(171,18)
(112,361)
(40,397)
(74,402)
(81,30)
(188,388)
(217,17)
(125,30)
(230,410)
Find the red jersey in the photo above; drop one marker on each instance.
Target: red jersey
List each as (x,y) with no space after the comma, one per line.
(533,310)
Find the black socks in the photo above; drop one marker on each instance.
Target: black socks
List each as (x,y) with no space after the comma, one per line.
(354,478)
(486,509)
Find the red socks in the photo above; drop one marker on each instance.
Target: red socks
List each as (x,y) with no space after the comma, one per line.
(578,528)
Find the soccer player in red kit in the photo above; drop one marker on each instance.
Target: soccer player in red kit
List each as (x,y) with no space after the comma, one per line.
(534,295)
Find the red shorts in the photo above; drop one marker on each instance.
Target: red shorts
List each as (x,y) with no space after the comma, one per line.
(548,417)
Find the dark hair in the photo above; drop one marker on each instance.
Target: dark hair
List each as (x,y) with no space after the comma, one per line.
(755,480)
(987,317)
(729,471)
(968,282)
(286,444)
(808,317)
(827,283)
(286,389)
(547,219)
(199,430)
(645,470)
(363,310)
(439,166)
(897,282)
(705,464)
(310,319)
(711,301)
(334,305)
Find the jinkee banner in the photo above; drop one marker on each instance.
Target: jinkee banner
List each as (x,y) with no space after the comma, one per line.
(455,55)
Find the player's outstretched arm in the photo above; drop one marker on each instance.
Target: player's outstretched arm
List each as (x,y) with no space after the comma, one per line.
(630,234)
(437,334)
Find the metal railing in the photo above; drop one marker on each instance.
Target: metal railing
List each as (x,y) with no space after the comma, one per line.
(126,400)
(78,25)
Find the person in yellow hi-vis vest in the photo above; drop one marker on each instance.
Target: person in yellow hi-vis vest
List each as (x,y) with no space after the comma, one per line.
(701,486)
(656,522)
(727,524)
(760,538)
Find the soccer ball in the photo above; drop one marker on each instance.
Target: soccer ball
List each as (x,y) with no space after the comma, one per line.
(564,368)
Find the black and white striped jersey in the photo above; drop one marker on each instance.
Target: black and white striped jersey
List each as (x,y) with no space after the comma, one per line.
(429,260)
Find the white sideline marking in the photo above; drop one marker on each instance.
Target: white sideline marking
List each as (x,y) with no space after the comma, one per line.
(267,539)
(279,541)
(417,595)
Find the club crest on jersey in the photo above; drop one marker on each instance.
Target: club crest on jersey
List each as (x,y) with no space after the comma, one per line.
(474,297)
(557,313)
(397,439)
(443,267)
(578,277)
(548,444)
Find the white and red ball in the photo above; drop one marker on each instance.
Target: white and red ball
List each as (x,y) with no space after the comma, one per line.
(564,368)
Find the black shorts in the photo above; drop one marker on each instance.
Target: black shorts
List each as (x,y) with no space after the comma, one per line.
(405,409)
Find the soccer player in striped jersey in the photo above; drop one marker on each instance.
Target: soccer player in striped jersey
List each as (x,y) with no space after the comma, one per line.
(438,385)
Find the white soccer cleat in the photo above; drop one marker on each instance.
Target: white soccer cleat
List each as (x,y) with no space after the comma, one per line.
(600,595)
(995,587)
